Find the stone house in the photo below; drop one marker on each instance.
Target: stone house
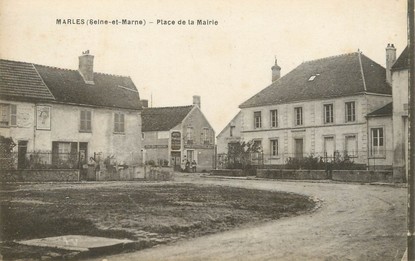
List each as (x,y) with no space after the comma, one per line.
(321,108)
(230,134)
(174,134)
(59,113)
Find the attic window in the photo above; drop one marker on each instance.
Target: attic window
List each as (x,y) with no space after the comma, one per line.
(312,77)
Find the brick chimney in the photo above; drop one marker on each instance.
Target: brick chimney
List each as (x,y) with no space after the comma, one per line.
(390,60)
(276,71)
(144,103)
(196,101)
(86,67)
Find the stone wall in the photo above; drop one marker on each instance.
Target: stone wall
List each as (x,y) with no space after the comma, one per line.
(228,172)
(293,174)
(364,176)
(41,175)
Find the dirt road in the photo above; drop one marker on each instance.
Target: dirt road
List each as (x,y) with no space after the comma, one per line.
(354,222)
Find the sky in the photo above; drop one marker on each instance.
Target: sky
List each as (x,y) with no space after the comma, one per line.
(225,64)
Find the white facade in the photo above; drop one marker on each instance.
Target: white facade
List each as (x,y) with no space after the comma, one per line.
(97,135)
(316,133)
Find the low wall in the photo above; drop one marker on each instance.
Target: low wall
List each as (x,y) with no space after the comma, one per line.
(159,174)
(41,175)
(228,172)
(364,176)
(293,174)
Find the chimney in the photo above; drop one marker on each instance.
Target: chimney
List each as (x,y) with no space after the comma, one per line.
(144,103)
(86,67)
(196,101)
(276,71)
(390,60)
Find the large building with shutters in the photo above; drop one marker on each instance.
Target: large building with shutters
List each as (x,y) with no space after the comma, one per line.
(337,106)
(58,113)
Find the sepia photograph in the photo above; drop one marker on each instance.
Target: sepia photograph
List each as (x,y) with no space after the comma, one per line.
(207,130)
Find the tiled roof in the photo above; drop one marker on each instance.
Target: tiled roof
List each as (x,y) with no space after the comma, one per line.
(163,118)
(403,60)
(384,111)
(68,86)
(335,76)
(18,79)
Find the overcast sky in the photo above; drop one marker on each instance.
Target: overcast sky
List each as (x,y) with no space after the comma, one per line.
(224,64)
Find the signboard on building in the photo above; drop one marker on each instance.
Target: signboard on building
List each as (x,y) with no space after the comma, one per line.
(43,117)
(176,140)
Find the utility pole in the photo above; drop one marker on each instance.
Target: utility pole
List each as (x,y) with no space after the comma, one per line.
(411,172)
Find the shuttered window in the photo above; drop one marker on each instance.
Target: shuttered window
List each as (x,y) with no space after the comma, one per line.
(86,118)
(119,122)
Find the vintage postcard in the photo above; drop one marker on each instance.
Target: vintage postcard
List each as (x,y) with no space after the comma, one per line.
(204,130)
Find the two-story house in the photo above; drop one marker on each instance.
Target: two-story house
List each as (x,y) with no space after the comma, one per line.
(320,108)
(400,70)
(174,134)
(59,113)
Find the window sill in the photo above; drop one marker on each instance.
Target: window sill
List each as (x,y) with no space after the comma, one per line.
(85,131)
(119,133)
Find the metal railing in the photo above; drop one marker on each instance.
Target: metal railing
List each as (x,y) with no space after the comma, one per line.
(317,160)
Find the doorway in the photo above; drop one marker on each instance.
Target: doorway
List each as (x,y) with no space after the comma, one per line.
(83,160)
(329,148)
(21,154)
(175,160)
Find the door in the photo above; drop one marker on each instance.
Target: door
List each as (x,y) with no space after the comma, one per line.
(21,154)
(175,160)
(329,148)
(83,160)
(190,155)
(298,148)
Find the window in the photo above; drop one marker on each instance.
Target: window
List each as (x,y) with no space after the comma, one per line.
(274,147)
(350,111)
(274,118)
(119,122)
(328,113)
(8,115)
(85,121)
(231,131)
(206,136)
(257,145)
(350,148)
(65,154)
(298,116)
(329,148)
(377,142)
(257,120)
(189,134)
(64,150)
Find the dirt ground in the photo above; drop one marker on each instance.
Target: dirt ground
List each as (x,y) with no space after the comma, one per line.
(150,213)
(354,222)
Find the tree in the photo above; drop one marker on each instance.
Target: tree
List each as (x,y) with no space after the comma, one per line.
(6,155)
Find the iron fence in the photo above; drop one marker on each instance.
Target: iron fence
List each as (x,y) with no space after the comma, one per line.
(58,160)
(372,160)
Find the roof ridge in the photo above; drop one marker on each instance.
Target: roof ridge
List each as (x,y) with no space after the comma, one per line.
(64,69)
(67,69)
(330,57)
(168,107)
(362,71)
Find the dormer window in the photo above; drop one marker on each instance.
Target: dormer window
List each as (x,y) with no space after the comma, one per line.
(312,77)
